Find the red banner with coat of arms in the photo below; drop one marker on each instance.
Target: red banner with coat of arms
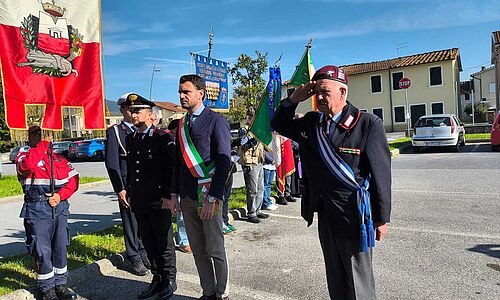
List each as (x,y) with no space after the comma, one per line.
(51,56)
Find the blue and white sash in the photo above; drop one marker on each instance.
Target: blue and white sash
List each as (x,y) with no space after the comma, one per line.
(344,174)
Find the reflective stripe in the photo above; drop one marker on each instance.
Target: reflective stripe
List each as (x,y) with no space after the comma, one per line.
(72,173)
(45,276)
(61,270)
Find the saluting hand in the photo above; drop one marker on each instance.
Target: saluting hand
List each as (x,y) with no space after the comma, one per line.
(208,209)
(380,231)
(303,92)
(122,197)
(54,200)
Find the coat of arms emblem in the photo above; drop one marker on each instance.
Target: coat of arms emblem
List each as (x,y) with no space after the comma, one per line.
(52,44)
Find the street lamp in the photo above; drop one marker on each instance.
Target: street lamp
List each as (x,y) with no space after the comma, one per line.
(152,77)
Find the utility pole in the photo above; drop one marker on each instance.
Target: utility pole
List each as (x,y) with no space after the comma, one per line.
(152,77)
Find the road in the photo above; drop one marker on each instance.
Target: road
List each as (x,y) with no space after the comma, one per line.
(443,243)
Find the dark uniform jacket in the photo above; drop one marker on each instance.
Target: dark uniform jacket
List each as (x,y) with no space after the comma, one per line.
(116,157)
(149,161)
(211,137)
(322,192)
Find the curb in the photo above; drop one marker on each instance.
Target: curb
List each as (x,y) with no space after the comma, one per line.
(396,152)
(102,267)
(20,198)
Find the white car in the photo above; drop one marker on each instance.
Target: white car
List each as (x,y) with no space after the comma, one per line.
(444,130)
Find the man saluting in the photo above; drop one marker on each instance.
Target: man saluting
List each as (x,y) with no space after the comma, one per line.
(48,180)
(347,177)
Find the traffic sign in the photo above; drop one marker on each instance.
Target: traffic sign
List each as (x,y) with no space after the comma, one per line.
(404,83)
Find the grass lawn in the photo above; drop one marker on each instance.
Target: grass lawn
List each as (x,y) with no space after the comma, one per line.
(17,272)
(478,136)
(398,143)
(9,186)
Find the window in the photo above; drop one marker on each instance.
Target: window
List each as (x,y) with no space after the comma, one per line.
(433,122)
(467,96)
(376,84)
(492,87)
(416,111)
(399,114)
(435,76)
(437,108)
(396,77)
(379,112)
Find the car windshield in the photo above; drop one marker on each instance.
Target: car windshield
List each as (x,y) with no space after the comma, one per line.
(434,122)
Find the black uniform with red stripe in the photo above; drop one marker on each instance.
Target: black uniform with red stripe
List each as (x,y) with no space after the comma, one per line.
(149,168)
(359,139)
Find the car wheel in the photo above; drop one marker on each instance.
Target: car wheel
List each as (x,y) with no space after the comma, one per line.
(99,155)
(463,140)
(416,149)
(495,148)
(456,148)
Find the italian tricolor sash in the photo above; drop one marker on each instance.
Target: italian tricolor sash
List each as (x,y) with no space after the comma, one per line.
(194,162)
(344,174)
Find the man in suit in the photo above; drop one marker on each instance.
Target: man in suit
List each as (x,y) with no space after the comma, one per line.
(116,165)
(150,155)
(200,172)
(346,169)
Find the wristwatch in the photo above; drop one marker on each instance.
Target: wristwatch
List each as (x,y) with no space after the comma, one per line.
(211,199)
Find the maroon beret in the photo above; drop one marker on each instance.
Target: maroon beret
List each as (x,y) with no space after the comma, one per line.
(331,72)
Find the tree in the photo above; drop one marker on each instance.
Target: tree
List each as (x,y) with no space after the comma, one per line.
(247,73)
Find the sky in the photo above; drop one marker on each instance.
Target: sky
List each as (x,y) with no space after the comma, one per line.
(139,35)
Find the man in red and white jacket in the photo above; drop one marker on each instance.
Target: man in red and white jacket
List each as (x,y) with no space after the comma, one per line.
(46,214)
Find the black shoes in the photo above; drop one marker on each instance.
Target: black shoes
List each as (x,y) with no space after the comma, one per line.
(290,199)
(138,267)
(50,295)
(167,289)
(154,287)
(282,201)
(262,216)
(252,220)
(64,293)
(205,297)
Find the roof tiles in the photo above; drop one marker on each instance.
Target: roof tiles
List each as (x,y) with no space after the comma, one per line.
(405,61)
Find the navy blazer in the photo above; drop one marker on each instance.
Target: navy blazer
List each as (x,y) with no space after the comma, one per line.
(322,192)
(212,138)
(116,159)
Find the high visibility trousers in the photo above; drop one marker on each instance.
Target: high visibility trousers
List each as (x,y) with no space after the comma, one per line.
(47,241)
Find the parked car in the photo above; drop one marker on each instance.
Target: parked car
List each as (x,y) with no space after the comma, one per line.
(91,149)
(62,148)
(15,151)
(495,134)
(444,130)
(72,149)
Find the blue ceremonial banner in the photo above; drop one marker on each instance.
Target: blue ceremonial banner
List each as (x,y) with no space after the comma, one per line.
(214,72)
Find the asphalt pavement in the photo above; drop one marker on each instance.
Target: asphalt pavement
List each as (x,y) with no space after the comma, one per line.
(443,241)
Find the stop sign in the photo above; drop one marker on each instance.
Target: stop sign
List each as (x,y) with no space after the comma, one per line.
(404,83)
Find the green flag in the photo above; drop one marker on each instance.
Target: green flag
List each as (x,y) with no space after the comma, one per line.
(261,124)
(304,71)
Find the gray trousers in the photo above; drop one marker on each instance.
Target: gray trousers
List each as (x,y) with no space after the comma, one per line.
(254,182)
(349,272)
(207,243)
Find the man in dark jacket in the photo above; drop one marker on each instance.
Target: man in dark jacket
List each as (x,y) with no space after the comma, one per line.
(116,165)
(346,169)
(149,159)
(200,172)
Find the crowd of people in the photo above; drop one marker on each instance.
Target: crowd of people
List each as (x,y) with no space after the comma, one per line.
(185,172)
